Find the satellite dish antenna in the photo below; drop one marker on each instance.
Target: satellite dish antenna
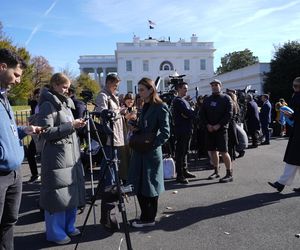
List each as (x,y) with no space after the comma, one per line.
(248,87)
(176,75)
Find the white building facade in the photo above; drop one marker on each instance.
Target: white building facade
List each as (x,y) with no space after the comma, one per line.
(238,79)
(153,58)
(160,58)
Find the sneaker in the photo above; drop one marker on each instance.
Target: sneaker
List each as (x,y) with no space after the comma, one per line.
(241,154)
(140,224)
(277,186)
(265,143)
(75,232)
(297,190)
(34,178)
(188,174)
(182,180)
(215,175)
(226,178)
(63,242)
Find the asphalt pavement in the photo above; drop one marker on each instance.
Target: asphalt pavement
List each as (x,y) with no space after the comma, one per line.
(204,214)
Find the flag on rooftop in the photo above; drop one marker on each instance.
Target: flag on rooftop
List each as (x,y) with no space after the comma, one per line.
(151,24)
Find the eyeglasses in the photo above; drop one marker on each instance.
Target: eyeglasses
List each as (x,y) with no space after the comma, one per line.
(296,85)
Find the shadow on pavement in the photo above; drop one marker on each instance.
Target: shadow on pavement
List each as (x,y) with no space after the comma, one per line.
(92,233)
(177,220)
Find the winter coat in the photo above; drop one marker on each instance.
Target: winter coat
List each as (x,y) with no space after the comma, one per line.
(252,117)
(265,114)
(146,169)
(62,176)
(292,155)
(11,147)
(106,100)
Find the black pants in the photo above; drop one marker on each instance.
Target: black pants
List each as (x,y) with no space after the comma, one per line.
(181,153)
(10,199)
(254,135)
(265,131)
(148,207)
(31,153)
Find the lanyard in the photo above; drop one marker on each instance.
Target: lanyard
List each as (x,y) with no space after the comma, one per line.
(5,104)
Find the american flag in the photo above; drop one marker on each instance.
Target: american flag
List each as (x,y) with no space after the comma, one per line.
(151,24)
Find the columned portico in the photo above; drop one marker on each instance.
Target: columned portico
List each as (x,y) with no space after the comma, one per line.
(98,65)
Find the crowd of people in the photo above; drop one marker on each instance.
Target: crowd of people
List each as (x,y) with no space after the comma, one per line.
(214,127)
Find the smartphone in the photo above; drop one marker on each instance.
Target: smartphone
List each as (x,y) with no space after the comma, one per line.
(86,119)
(45,127)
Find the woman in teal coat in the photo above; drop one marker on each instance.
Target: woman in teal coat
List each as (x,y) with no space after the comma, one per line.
(146,169)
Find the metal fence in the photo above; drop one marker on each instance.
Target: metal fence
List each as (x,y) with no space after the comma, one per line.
(22,120)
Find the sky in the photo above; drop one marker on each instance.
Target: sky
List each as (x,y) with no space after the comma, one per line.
(62,30)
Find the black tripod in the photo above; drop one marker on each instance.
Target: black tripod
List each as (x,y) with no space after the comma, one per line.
(112,166)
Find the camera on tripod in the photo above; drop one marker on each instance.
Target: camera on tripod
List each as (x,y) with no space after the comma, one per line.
(106,115)
(175,80)
(86,95)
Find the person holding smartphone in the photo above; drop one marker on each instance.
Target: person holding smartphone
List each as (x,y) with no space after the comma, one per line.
(62,175)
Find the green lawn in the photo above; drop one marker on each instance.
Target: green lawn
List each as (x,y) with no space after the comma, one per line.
(21,108)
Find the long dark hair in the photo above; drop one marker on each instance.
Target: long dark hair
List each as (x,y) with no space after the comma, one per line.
(149,84)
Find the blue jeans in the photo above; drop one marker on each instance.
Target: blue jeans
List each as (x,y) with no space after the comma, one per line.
(59,225)
(10,199)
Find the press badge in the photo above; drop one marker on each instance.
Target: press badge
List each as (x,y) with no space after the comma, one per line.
(14,130)
(213,104)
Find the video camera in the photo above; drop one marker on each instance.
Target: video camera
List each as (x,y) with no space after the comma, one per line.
(86,95)
(175,80)
(105,114)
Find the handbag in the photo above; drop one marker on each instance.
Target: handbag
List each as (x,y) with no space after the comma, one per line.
(169,168)
(142,142)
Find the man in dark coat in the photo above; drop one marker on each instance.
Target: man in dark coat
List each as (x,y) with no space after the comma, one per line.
(252,120)
(292,156)
(265,118)
(183,122)
(80,106)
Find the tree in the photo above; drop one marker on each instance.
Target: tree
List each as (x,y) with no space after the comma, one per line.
(68,72)
(85,82)
(19,93)
(284,68)
(42,71)
(236,60)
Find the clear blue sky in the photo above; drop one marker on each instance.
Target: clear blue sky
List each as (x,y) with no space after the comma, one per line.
(62,30)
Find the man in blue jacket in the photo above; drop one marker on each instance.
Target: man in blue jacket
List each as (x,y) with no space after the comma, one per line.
(11,148)
(265,118)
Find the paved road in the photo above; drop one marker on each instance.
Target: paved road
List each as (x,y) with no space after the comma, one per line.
(244,214)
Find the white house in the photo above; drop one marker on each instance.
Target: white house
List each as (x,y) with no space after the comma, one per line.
(160,58)
(153,58)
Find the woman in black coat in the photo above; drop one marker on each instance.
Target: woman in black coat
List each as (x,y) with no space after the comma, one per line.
(292,156)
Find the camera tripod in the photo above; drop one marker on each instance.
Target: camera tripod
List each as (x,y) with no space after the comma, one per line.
(110,165)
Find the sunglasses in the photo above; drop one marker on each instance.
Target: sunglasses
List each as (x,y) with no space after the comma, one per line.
(296,85)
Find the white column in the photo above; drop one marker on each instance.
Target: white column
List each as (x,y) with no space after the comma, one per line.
(96,75)
(104,74)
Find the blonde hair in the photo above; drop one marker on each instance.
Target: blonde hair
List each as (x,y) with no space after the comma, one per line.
(58,79)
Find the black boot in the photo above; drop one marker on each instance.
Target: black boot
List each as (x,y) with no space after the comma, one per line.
(188,174)
(277,186)
(228,177)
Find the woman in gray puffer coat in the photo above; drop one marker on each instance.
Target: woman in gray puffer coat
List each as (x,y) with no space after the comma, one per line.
(62,176)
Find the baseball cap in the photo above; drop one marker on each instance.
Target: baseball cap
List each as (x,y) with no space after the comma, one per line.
(216,81)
